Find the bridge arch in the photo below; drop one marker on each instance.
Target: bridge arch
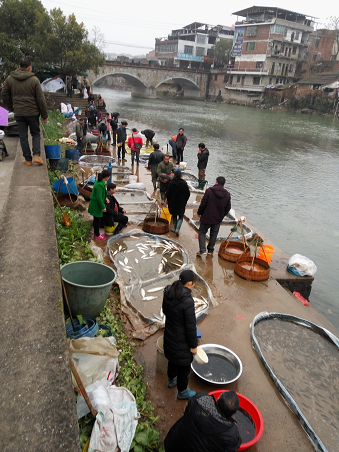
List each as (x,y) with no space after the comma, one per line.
(132,79)
(186,83)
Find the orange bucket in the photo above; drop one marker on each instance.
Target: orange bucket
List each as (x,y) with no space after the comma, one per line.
(267,250)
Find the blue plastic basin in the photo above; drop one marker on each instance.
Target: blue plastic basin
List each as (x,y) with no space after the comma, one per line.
(60,187)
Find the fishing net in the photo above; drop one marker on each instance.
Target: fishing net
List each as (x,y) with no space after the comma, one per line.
(302,359)
(96,160)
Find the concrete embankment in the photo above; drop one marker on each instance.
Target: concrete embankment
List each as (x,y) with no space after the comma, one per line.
(37,399)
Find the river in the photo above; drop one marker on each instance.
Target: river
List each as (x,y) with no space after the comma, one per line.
(280,168)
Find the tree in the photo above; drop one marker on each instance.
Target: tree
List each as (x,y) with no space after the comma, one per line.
(10,56)
(222,50)
(98,38)
(65,44)
(333,24)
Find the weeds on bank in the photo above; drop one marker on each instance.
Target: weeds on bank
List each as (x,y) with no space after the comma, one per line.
(52,130)
(146,438)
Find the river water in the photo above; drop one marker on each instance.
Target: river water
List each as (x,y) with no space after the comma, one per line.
(280,168)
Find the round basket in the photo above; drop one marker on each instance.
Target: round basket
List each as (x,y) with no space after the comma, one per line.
(66,202)
(260,271)
(161,226)
(232,250)
(85,191)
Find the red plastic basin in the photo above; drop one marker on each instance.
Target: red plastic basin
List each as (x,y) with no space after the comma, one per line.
(253,411)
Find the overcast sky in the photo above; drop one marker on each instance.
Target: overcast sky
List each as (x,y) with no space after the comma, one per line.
(132,27)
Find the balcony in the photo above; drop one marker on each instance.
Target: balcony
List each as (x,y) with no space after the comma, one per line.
(240,87)
(248,71)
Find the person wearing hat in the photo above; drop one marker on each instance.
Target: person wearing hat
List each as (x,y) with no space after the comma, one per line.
(79,131)
(180,335)
(207,425)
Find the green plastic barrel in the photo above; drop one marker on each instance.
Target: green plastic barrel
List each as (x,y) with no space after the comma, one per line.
(87,285)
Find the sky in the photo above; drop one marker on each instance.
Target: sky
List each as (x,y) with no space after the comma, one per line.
(132,27)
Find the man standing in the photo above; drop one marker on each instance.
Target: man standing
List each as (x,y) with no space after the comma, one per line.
(214,206)
(135,144)
(203,154)
(180,144)
(154,159)
(164,169)
(79,131)
(149,134)
(114,125)
(121,138)
(207,425)
(23,95)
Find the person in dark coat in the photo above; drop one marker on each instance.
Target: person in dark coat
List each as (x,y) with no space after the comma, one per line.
(206,426)
(214,206)
(180,336)
(203,154)
(180,144)
(177,195)
(97,206)
(149,135)
(154,159)
(114,125)
(114,213)
(121,139)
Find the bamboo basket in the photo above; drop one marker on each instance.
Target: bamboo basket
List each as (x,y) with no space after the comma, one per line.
(155,225)
(68,200)
(231,250)
(85,191)
(252,268)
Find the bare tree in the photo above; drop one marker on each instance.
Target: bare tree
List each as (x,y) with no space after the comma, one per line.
(98,38)
(333,24)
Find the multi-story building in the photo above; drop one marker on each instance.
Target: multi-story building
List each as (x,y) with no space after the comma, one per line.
(322,53)
(190,45)
(268,44)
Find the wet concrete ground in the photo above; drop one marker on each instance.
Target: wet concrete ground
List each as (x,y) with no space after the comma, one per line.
(227,324)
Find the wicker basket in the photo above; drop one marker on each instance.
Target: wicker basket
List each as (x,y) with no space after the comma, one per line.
(66,202)
(160,226)
(260,272)
(232,250)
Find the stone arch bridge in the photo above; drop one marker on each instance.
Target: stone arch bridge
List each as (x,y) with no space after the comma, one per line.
(149,81)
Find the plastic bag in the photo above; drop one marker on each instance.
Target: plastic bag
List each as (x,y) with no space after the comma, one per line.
(97,251)
(93,367)
(103,437)
(303,265)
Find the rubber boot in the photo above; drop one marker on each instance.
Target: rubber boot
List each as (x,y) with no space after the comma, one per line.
(154,186)
(117,229)
(174,226)
(177,229)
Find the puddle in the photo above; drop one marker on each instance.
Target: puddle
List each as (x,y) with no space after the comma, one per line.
(307,365)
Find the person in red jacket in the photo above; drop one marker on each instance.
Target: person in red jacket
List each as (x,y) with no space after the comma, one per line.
(135,144)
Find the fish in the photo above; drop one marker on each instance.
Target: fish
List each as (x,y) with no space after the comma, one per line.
(172,254)
(160,319)
(120,248)
(126,269)
(133,237)
(121,263)
(142,293)
(164,258)
(126,261)
(149,298)
(156,289)
(152,253)
(129,251)
(115,252)
(136,260)
(161,267)
(176,264)
(146,257)
(141,251)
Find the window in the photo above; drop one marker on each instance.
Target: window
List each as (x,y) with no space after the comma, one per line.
(278,29)
(250,46)
(215,77)
(188,49)
(238,79)
(297,33)
(166,48)
(226,79)
(252,31)
(294,50)
(200,51)
(259,64)
(201,39)
(256,80)
(317,42)
(314,57)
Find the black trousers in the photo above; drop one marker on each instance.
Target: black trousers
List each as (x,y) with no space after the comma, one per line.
(121,219)
(114,137)
(96,225)
(180,155)
(121,151)
(23,123)
(181,372)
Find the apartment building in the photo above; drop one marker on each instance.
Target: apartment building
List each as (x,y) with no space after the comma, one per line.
(268,45)
(189,46)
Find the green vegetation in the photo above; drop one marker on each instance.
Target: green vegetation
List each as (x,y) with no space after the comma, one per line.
(221,51)
(52,131)
(50,38)
(146,438)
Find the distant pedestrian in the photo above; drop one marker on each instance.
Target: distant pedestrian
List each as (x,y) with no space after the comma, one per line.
(135,144)
(214,206)
(69,86)
(102,129)
(172,143)
(165,169)
(109,127)
(75,82)
(80,134)
(180,144)
(149,135)
(101,103)
(203,154)
(114,125)
(121,139)
(93,116)
(87,85)
(154,159)
(22,94)
(177,196)
(97,202)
